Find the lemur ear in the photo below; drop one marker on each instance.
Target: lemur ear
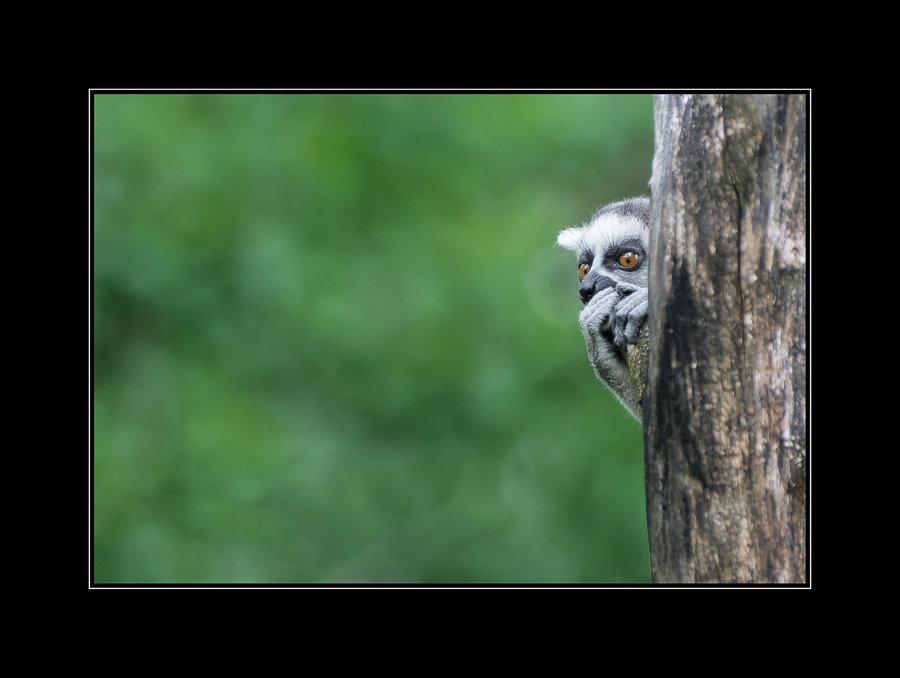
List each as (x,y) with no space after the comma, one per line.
(571,238)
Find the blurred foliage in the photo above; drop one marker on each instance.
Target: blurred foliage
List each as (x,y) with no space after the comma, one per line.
(334,341)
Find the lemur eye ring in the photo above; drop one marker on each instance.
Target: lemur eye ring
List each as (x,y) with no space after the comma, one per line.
(629,259)
(583,270)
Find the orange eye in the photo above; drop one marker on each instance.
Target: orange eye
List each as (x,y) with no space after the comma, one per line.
(583,270)
(629,259)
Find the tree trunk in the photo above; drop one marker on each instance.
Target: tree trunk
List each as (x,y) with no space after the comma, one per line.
(725,402)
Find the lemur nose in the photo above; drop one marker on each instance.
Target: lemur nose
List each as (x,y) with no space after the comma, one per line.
(585,294)
(592,284)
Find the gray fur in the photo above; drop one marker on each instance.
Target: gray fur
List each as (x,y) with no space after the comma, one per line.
(615,299)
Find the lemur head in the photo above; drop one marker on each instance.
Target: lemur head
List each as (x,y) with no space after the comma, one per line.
(612,247)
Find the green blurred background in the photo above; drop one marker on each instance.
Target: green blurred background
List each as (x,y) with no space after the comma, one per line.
(334,341)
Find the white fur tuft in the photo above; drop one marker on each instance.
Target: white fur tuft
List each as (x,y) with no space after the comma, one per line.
(571,238)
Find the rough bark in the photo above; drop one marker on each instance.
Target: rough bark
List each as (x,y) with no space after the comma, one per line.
(725,402)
